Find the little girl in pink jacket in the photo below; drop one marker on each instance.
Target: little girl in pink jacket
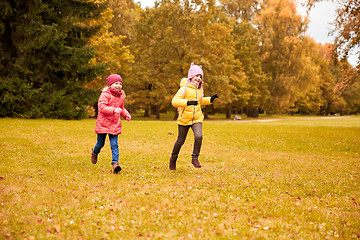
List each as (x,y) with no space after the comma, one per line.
(111,107)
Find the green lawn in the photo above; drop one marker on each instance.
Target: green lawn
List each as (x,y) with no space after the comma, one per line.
(296,178)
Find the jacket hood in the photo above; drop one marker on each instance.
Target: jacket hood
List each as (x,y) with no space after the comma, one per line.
(183,82)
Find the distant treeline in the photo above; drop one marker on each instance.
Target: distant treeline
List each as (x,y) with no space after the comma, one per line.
(55,56)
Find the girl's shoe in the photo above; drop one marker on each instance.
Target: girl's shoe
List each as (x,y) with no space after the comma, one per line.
(116,167)
(93,157)
(196,163)
(172,164)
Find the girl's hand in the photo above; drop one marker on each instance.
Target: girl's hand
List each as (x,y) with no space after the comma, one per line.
(192,103)
(117,111)
(213,98)
(128,117)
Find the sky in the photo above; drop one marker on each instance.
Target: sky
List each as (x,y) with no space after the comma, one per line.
(321,18)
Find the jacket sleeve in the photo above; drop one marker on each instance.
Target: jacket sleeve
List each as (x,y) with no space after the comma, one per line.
(205,101)
(178,100)
(103,105)
(124,112)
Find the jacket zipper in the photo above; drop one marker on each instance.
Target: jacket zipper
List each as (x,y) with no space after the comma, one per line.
(192,121)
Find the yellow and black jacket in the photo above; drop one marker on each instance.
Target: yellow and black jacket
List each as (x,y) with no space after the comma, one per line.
(188,115)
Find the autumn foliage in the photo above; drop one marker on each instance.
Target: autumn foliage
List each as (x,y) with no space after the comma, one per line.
(255,55)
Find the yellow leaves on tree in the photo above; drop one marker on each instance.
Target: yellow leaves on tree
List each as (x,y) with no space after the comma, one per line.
(111,51)
(287,55)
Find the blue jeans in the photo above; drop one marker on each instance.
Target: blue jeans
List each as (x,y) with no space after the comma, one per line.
(113,144)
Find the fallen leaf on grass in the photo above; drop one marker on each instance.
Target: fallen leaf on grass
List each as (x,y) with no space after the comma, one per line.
(57,228)
(293,196)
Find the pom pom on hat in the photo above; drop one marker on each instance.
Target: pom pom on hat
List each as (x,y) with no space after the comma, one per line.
(195,70)
(113,78)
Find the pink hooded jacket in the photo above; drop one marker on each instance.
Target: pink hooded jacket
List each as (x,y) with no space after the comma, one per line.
(107,121)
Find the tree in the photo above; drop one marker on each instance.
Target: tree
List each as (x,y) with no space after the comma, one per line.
(111,51)
(352,97)
(345,77)
(171,36)
(247,51)
(155,66)
(44,58)
(347,39)
(125,15)
(241,9)
(286,53)
(322,99)
(347,28)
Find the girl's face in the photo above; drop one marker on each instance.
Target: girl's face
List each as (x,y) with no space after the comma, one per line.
(196,80)
(117,86)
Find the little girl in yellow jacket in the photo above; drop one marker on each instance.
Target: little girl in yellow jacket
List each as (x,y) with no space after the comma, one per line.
(188,101)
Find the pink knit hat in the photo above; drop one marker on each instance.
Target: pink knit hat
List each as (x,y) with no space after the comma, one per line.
(193,71)
(113,78)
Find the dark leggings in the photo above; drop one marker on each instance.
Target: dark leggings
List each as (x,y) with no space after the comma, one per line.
(182,132)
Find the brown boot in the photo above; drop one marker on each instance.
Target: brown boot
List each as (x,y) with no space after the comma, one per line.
(196,163)
(116,167)
(93,157)
(172,164)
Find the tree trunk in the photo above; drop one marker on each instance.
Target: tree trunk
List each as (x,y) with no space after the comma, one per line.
(146,113)
(206,114)
(157,111)
(228,111)
(252,112)
(255,112)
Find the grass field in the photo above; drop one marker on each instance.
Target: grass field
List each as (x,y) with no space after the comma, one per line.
(297,178)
